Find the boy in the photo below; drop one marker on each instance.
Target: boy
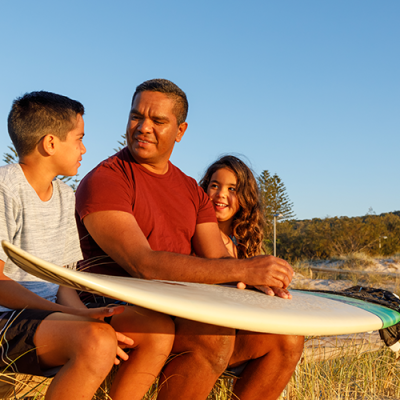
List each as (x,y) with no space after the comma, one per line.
(46,329)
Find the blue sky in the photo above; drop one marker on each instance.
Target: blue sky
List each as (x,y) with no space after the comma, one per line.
(309,90)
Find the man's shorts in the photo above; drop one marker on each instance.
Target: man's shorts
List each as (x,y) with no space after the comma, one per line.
(18,352)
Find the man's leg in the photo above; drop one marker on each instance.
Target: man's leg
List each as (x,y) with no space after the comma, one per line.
(273,361)
(202,354)
(85,348)
(153,336)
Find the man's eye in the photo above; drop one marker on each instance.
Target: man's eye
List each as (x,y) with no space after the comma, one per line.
(134,117)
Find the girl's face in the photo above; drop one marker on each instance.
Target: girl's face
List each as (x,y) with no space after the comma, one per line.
(222,193)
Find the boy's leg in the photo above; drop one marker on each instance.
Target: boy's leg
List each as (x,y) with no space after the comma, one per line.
(153,336)
(85,348)
(273,359)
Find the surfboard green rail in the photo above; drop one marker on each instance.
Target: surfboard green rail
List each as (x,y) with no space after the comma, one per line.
(388,316)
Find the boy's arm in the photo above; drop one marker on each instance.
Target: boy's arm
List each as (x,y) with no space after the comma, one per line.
(15,296)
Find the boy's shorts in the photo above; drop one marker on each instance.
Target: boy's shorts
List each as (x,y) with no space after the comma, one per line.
(18,352)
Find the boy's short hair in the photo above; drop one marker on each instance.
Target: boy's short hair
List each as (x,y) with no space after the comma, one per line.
(37,114)
(171,90)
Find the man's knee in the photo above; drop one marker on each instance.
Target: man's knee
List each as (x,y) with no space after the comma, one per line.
(291,346)
(161,337)
(147,328)
(211,346)
(218,351)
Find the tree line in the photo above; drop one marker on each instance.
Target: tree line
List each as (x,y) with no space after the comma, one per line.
(375,235)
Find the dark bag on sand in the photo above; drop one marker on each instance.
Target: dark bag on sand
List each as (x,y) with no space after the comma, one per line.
(389,335)
(382,297)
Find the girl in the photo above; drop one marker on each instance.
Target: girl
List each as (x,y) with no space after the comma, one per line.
(234,193)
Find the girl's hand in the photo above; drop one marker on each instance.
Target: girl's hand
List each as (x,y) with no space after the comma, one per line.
(241,285)
(275,291)
(269,290)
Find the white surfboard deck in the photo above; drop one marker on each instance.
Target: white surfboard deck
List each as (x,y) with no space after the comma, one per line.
(305,314)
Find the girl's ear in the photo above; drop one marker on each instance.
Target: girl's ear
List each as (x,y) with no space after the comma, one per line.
(48,144)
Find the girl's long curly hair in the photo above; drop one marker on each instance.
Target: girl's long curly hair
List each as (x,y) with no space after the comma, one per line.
(248,223)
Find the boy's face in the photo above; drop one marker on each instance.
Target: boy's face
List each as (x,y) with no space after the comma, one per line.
(70,151)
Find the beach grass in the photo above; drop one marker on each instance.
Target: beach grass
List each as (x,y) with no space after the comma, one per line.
(373,375)
(370,376)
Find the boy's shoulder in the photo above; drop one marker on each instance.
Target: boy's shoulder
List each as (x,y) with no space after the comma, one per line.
(13,181)
(11,175)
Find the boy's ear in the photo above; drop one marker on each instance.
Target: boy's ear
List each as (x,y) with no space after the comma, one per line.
(48,144)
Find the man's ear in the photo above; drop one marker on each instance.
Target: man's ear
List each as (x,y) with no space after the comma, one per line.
(48,144)
(181,131)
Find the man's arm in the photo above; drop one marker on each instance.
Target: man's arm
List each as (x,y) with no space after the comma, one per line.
(120,236)
(207,243)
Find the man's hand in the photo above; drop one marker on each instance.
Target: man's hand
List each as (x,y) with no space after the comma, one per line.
(269,271)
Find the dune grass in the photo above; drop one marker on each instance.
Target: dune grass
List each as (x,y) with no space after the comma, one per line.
(370,376)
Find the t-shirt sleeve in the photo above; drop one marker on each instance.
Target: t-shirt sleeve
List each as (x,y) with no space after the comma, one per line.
(73,252)
(206,211)
(9,216)
(104,189)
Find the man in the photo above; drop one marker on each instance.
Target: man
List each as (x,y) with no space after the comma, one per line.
(139,215)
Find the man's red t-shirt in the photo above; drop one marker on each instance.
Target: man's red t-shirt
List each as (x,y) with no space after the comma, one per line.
(167,207)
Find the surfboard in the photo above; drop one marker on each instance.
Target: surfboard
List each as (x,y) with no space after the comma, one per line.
(307,313)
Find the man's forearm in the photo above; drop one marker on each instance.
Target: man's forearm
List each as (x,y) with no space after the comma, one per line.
(177,267)
(260,270)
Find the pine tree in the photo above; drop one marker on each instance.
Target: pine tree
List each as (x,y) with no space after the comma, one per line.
(11,158)
(122,143)
(274,197)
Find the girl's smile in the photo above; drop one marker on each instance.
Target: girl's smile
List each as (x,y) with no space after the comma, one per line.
(222,193)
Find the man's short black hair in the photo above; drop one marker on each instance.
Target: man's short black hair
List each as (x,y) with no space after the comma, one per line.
(37,114)
(171,90)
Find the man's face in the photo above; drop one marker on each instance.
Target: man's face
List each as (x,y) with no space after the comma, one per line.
(152,130)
